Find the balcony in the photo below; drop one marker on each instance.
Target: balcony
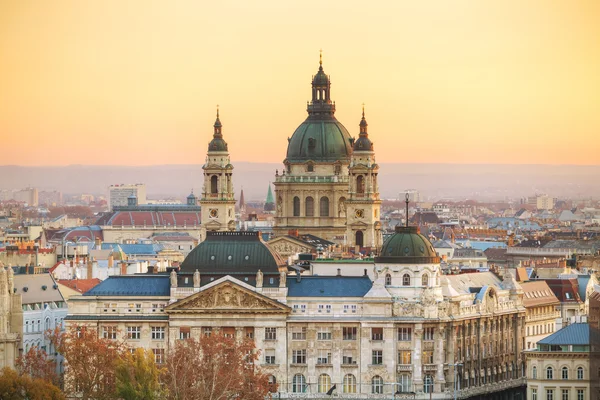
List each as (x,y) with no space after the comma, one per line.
(311,179)
(404,368)
(353,365)
(540,317)
(430,367)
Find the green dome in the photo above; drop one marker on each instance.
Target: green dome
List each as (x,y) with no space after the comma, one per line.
(320,140)
(407,246)
(217,144)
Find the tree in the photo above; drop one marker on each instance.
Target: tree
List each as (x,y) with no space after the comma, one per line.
(137,376)
(36,364)
(90,362)
(23,387)
(215,367)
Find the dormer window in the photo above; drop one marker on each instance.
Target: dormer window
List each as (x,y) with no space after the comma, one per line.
(312,143)
(310,167)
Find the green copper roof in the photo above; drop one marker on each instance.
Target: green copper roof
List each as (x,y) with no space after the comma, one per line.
(270,198)
(232,253)
(319,140)
(407,246)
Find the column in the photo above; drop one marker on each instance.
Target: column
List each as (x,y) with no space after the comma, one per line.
(417,358)
(438,358)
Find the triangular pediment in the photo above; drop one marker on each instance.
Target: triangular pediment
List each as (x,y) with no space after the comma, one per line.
(212,225)
(359,225)
(227,297)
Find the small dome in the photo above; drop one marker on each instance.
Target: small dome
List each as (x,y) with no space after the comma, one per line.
(320,79)
(363,144)
(407,246)
(217,144)
(191,196)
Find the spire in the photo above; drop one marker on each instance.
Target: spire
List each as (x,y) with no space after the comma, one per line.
(363,123)
(407,201)
(217,144)
(218,124)
(242,201)
(270,202)
(321,60)
(321,104)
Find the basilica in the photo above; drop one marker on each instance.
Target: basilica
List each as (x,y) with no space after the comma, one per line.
(388,327)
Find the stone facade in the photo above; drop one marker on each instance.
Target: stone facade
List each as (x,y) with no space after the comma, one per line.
(11,319)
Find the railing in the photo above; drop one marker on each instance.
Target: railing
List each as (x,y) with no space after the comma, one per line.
(545,251)
(539,317)
(311,179)
(403,368)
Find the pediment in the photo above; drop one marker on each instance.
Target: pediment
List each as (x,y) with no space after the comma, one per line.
(212,225)
(286,246)
(227,297)
(359,225)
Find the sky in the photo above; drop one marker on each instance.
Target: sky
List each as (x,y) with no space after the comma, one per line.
(112,82)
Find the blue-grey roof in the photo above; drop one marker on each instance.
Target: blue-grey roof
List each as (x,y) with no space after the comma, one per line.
(135,249)
(574,334)
(329,286)
(132,285)
(582,281)
(480,296)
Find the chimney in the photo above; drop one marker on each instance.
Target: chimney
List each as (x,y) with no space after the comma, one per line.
(89,270)
(123,268)
(365,274)
(339,272)
(111,260)
(298,276)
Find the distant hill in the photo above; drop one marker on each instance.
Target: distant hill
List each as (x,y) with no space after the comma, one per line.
(433,180)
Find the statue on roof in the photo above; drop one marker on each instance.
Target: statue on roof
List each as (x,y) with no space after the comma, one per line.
(173,278)
(259,279)
(197,279)
(282,279)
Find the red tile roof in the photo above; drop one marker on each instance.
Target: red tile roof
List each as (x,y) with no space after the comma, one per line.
(80,285)
(150,218)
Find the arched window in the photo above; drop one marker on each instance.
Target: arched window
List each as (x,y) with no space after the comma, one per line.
(580,373)
(377,385)
(324,207)
(296,206)
(309,207)
(272,384)
(549,373)
(406,280)
(428,384)
(404,383)
(565,373)
(324,383)
(298,383)
(359,239)
(388,280)
(213,184)
(349,384)
(425,280)
(360,184)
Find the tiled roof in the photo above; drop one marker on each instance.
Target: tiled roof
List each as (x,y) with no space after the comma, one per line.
(538,293)
(136,248)
(37,288)
(574,334)
(151,218)
(80,285)
(133,285)
(566,290)
(494,254)
(463,283)
(329,286)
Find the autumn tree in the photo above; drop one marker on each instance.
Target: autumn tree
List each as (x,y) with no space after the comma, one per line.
(37,364)
(215,367)
(90,362)
(23,387)
(137,376)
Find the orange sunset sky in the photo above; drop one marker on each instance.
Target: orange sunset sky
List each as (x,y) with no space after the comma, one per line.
(137,82)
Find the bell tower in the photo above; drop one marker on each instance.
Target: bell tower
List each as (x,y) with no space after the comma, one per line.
(217,201)
(363,226)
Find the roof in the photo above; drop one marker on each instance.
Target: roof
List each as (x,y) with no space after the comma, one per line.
(37,288)
(328,286)
(495,254)
(574,334)
(537,293)
(80,285)
(464,283)
(177,216)
(522,275)
(133,285)
(233,253)
(566,290)
(137,248)
(407,246)
(323,139)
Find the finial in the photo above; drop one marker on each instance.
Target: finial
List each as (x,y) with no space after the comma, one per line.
(363,105)
(320,56)
(407,201)
(217,111)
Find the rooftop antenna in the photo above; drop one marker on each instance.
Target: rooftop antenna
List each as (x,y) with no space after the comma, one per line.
(407,201)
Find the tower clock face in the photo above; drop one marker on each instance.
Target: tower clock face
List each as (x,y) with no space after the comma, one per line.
(359,213)
(213,213)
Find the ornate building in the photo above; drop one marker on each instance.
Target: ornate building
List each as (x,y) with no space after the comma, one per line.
(402,330)
(313,190)
(217,202)
(11,319)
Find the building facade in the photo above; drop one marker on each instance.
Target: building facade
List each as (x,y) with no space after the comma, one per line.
(11,319)
(118,195)
(542,312)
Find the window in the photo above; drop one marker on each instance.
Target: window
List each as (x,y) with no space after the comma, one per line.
(298,383)
(272,383)
(269,356)
(405,357)
(299,308)
(534,394)
(207,331)
(549,394)
(270,333)
(565,394)
(228,332)
(324,333)
(425,280)
(324,308)
(428,384)
(565,373)
(349,384)
(349,333)
(309,207)
(109,332)
(404,334)
(134,332)
(579,373)
(249,331)
(549,373)
(324,383)
(428,333)
(534,372)
(580,394)
(360,184)
(296,206)
(377,385)
(159,355)
(388,279)
(376,333)
(310,167)
(406,280)
(299,333)
(350,308)
(158,307)
(428,357)
(324,207)
(404,383)
(377,357)
(158,332)
(184,332)
(299,356)
(324,357)
(347,357)
(213,184)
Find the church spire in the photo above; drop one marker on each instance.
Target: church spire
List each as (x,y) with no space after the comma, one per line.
(363,123)
(217,143)
(218,125)
(363,143)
